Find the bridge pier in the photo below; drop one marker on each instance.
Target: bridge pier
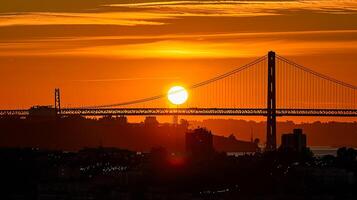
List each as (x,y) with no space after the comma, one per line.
(271,104)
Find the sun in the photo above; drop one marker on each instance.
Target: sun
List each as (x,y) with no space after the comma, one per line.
(177,95)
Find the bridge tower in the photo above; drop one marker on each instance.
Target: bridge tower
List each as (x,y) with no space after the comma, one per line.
(271,104)
(57,101)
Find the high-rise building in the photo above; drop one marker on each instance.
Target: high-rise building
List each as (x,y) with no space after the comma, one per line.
(295,141)
(199,143)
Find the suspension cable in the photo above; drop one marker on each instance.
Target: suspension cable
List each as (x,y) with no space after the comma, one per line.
(217,78)
(317,74)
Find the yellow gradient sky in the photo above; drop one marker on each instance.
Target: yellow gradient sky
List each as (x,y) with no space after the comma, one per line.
(108,51)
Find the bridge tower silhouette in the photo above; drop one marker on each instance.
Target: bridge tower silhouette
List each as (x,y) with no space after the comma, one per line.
(271,104)
(57,101)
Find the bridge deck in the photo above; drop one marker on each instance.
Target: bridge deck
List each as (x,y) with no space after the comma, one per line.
(194,111)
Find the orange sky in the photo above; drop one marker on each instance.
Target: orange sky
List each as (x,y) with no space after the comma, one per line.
(108,51)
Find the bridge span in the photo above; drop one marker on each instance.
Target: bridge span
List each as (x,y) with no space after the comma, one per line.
(191,111)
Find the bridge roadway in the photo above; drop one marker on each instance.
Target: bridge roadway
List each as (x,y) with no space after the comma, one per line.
(192,111)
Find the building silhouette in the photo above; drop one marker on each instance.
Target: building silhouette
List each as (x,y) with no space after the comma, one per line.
(42,111)
(295,141)
(199,143)
(151,121)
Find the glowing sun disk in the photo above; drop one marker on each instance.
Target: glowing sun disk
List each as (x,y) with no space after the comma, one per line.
(177,95)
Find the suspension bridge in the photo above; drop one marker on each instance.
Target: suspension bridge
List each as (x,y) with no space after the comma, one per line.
(269,86)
